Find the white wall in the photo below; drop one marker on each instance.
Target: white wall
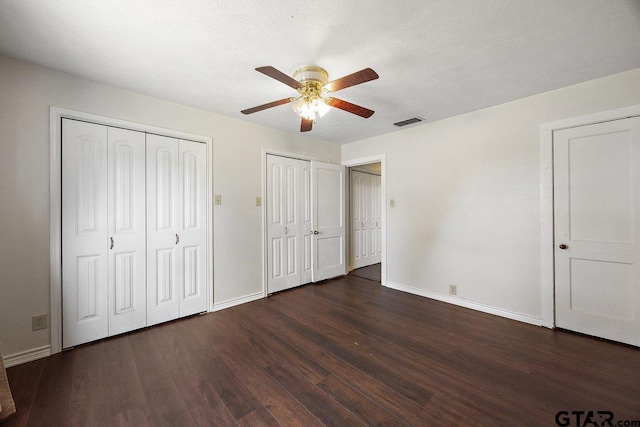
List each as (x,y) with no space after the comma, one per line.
(467,195)
(26,92)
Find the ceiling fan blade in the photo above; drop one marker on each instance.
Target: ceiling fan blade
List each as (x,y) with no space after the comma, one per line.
(280,76)
(305,125)
(356,78)
(349,107)
(269,105)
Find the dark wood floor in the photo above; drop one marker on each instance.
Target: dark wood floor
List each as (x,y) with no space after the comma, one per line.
(345,352)
(371,272)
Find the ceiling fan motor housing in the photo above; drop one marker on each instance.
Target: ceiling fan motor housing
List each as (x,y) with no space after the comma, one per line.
(311,74)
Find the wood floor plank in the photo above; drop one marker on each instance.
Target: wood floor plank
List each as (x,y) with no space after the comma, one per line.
(281,351)
(163,398)
(284,407)
(433,369)
(199,395)
(415,370)
(360,405)
(351,354)
(258,418)
(388,398)
(238,399)
(229,387)
(52,398)
(325,408)
(123,389)
(274,349)
(87,406)
(24,380)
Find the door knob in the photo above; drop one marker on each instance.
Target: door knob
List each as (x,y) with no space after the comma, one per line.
(177,239)
(316,232)
(563,246)
(111,246)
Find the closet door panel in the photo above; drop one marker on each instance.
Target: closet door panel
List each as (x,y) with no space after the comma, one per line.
(376,220)
(84,232)
(193,230)
(292,222)
(127,231)
(360,233)
(164,260)
(275,206)
(306,230)
(289,242)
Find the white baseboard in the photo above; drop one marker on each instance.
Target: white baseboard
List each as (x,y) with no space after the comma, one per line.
(237,301)
(27,356)
(538,321)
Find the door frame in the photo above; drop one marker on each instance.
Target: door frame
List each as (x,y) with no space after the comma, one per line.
(382,159)
(56,114)
(547,244)
(265,240)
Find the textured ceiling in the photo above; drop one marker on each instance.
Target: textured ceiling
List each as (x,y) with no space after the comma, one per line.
(435,59)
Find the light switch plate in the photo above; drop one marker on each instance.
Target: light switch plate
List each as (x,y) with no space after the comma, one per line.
(218,199)
(258,201)
(392,203)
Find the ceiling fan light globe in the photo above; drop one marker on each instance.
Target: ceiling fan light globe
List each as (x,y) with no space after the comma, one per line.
(323,108)
(298,105)
(309,115)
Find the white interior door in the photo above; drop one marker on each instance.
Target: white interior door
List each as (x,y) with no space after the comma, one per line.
(597,218)
(164,260)
(328,212)
(192,233)
(84,232)
(126,229)
(376,219)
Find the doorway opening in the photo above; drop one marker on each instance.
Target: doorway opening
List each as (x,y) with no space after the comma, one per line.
(366,234)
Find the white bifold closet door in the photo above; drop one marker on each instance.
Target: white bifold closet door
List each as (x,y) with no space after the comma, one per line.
(305,222)
(103,229)
(134,230)
(288,223)
(176,228)
(366,219)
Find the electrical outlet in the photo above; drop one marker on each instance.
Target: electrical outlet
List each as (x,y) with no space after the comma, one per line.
(453,290)
(39,322)
(392,203)
(258,201)
(218,199)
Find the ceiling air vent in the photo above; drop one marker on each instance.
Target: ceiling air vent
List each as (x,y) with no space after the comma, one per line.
(408,121)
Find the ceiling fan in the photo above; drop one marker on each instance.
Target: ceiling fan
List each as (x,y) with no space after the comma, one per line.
(311,84)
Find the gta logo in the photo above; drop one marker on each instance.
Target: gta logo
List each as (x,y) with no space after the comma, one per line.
(591,419)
